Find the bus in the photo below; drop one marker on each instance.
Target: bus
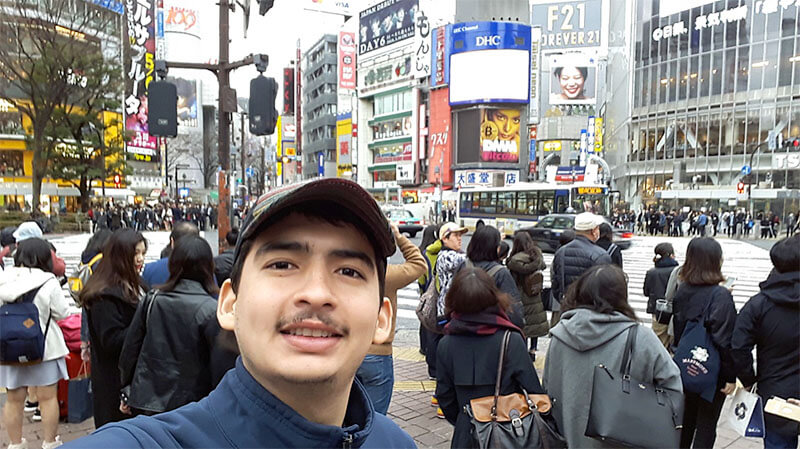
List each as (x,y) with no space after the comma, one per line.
(521,205)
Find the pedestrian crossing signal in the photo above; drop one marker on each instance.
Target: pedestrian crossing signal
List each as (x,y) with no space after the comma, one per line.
(740,187)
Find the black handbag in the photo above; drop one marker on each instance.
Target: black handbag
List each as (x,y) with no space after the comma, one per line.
(513,420)
(627,412)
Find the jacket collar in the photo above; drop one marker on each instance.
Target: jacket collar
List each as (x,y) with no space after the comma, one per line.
(248,414)
(189,286)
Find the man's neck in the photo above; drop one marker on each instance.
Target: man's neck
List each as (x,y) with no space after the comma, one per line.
(323,403)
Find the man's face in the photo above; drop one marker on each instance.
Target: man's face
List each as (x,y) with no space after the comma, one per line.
(307,307)
(595,233)
(453,240)
(507,121)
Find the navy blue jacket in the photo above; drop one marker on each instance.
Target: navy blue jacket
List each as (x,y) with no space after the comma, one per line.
(241,413)
(156,273)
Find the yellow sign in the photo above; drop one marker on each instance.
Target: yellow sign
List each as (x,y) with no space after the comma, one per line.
(344,141)
(552,145)
(278,147)
(590,190)
(598,135)
(290,150)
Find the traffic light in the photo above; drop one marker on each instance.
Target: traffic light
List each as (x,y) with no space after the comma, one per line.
(740,187)
(263,115)
(264,6)
(117,180)
(162,119)
(792,144)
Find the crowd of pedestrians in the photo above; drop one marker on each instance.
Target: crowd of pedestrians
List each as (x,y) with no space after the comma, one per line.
(733,223)
(158,217)
(276,341)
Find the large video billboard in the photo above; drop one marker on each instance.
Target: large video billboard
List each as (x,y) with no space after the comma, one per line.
(384,24)
(490,63)
(500,135)
(573,79)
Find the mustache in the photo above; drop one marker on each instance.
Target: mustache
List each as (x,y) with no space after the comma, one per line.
(322,317)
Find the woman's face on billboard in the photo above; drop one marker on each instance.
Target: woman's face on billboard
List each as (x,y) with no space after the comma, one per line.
(572,82)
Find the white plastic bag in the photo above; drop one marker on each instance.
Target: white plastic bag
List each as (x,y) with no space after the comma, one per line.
(738,413)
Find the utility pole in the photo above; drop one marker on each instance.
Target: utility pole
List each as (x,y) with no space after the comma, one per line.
(243,155)
(227,106)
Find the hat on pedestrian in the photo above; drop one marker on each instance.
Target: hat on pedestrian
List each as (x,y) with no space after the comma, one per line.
(449,228)
(587,221)
(28,230)
(341,192)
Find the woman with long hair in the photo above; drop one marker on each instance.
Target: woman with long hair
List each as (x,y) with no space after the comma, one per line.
(110,299)
(468,354)
(526,264)
(593,330)
(482,252)
(655,288)
(166,360)
(700,296)
(31,275)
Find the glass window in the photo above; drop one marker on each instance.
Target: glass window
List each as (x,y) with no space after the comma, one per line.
(743,72)
(789,25)
(757,66)
(705,71)
(683,79)
(546,222)
(716,72)
(774,22)
(526,203)
(785,62)
(546,201)
(505,202)
(771,67)
(487,203)
(758,24)
(729,77)
(694,76)
(672,84)
(466,203)
(563,223)
(796,64)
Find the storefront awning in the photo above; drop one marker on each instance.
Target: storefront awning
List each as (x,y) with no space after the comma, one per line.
(382,167)
(25,188)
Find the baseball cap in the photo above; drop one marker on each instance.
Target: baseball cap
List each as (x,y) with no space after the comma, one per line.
(28,230)
(342,192)
(587,221)
(449,228)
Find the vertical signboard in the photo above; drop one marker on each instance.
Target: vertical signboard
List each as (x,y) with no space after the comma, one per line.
(421,65)
(440,137)
(440,58)
(598,136)
(346,50)
(288,91)
(344,141)
(590,127)
(533,105)
(140,71)
(188,110)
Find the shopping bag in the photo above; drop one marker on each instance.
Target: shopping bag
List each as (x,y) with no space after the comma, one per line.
(80,397)
(744,413)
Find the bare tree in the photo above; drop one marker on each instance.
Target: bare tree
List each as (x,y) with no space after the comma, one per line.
(48,62)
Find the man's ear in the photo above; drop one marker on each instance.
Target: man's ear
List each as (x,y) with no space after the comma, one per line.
(226,306)
(384,326)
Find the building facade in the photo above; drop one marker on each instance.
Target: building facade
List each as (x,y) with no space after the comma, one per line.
(319,108)
(716,88)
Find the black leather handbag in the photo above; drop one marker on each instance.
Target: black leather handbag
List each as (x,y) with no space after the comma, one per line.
(516,420)
(627,412)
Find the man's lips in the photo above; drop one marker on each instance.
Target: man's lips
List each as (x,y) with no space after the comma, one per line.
(311,336)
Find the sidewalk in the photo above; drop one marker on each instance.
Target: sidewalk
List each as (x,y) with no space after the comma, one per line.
(410,409)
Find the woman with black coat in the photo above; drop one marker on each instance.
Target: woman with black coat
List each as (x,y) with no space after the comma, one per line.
(526,264)
(770,321)
(467,358)
(482,252)
(110,299)
(701,275)
(168,357)
(655,287)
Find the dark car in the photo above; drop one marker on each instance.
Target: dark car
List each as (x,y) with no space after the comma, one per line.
(405,221)
(548,230)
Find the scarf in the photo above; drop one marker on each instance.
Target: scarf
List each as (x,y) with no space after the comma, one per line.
(486,322)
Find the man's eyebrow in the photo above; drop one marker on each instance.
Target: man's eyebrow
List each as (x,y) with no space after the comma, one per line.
(351,254)
(282,246)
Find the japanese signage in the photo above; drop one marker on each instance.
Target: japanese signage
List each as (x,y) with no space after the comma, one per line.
(288,91)
(571,174)
(569,24)
(384,24)
(533,101)
(404,172)
(344,141)
(381,74)
(500,135)
(399,127)
(598,135)
(346,51)
(552,145)
(440,62)
(139,72)
(395,152)
(573,79)
(421,65)
(484,178)
(590,190)
(440,136)
(182,20)
(188,116)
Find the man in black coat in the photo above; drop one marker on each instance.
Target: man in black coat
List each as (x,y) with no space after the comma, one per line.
(606,242)
(770,321)
(577,256)
(223,264)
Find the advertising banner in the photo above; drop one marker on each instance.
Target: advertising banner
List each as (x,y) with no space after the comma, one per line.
(573,79)
(570,173)
(393,70)
(533,101)
(395,152)
(346,52)
(569,24)
(182,20)
(440,137)
(490,63)
(483,177)
(551,145)
(385,23)
(440,57)
(344,141)
(288,91)
(341,7)
(188,116)
(598,135)
(421,65)
(500,135)
(139,59)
